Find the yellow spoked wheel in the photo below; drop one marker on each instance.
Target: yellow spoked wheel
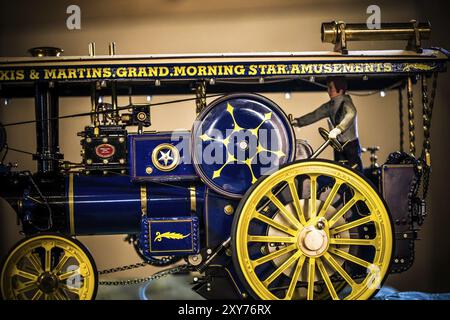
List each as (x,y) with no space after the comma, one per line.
(49,267)
(312,230)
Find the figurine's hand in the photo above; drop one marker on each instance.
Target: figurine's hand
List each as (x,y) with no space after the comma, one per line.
(294,122)
(334,133)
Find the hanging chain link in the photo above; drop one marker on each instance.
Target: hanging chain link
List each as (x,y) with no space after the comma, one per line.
(124,268)
(128,267)
(426,121)
(200,93)
(156,276)
(427,117)
(400,114)
(411,128)
(422,166)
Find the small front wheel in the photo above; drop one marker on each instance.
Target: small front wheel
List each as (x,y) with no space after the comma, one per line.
(49,267)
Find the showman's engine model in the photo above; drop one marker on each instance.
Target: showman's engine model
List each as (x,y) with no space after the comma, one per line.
(246,206)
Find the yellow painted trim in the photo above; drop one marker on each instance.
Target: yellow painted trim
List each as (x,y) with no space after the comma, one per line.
(71,206)
(193,197)
(144,208)
(206,217)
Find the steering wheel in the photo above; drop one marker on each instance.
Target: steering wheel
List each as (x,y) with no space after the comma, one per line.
(333,142)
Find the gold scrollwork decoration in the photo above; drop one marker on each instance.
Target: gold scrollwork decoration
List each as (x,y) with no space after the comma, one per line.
(169,235)
(417,66)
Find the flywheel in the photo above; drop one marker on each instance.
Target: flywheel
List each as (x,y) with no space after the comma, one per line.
(312,230)
(238,138)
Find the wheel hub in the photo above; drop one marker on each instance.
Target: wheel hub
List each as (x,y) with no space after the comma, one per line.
(320,225)
(243,145)
(47,282)
(312,242)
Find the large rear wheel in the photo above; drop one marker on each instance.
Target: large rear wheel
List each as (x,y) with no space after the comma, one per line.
(312,230)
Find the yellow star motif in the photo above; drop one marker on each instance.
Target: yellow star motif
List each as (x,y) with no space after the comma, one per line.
(236,128)
(230,110)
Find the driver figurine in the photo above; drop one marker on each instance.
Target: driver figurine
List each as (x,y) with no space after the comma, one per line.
(342,114)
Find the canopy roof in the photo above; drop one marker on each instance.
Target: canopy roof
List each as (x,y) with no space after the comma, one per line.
(230,72)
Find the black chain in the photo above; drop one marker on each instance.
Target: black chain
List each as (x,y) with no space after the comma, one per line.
(151,260)
(411,127)
(200,93)
(124,268)
(400,114)
(427,117)
(156,276)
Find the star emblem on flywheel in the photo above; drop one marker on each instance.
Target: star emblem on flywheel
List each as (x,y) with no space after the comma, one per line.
(231,158)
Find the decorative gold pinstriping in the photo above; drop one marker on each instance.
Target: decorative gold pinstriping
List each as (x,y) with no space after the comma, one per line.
(144,199)
(71,206)
(193,197)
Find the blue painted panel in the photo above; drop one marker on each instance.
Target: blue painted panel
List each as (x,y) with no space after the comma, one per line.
(174,236)
(217,223)
(142,167)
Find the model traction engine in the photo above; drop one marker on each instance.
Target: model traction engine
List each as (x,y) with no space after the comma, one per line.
(238,197)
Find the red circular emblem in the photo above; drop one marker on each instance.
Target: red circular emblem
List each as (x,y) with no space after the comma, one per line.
(105,150)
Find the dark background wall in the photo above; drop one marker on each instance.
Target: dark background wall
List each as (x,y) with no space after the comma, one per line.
(182,26)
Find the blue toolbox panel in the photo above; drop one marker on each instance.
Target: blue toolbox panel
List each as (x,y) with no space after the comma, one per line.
(163,156)
(169,236)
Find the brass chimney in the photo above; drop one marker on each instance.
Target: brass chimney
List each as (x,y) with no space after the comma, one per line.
(339,33)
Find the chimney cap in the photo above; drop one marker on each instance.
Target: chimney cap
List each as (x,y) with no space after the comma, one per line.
(45,51)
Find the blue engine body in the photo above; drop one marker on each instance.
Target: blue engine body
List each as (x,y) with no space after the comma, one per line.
(115,205)
(173,199)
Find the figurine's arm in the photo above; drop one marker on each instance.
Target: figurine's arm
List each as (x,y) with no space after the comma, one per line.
(349,115)
(318,114)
